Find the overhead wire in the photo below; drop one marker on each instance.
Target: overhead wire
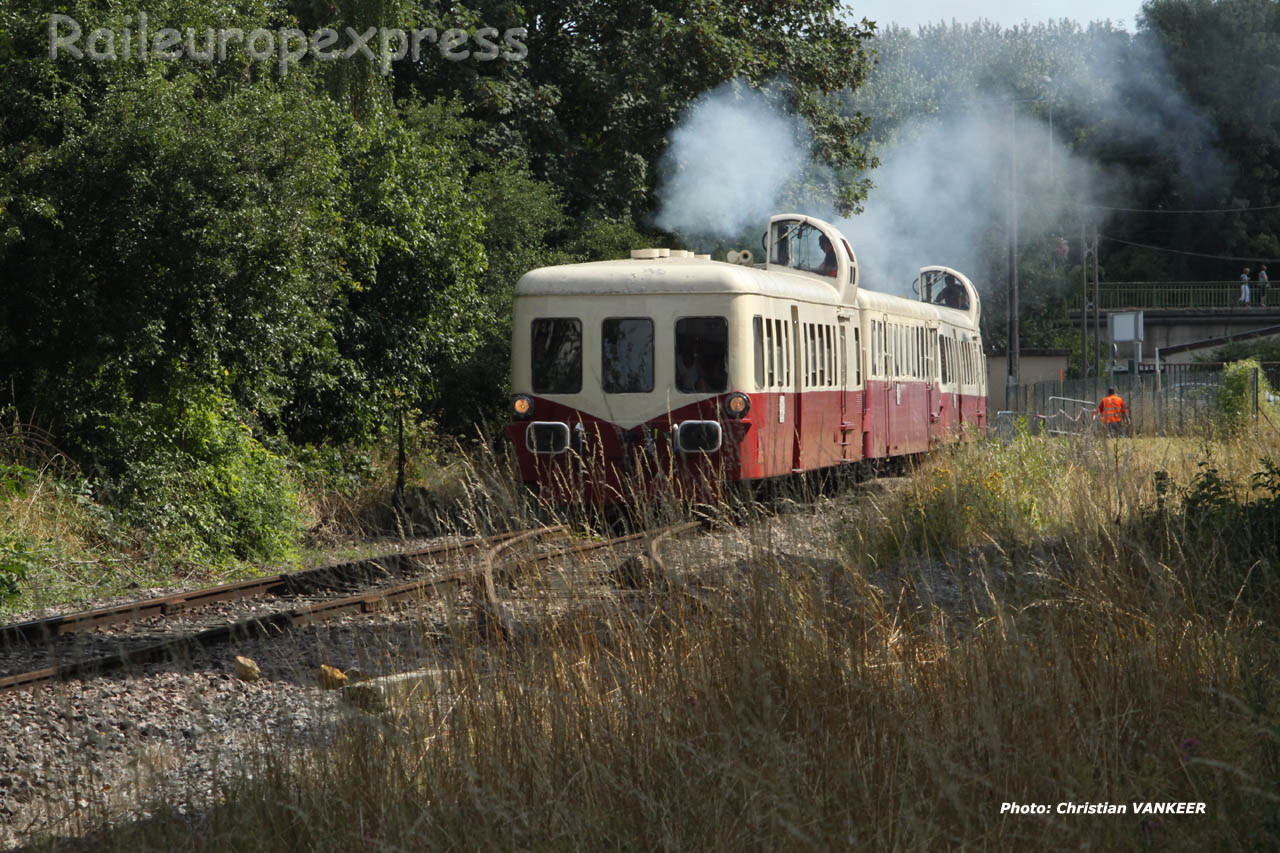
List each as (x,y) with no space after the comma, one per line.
(1185,252)
(1188,210)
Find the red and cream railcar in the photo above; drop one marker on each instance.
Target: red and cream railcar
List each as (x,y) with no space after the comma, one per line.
(670,371)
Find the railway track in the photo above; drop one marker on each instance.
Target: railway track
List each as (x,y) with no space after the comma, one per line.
(333,576)
(492,555)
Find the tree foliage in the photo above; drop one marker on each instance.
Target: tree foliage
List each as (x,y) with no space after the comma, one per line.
(202,260)
(589,109)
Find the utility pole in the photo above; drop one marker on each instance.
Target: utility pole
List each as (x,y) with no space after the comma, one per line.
(1084,305)
(1097,309)
(1014,349)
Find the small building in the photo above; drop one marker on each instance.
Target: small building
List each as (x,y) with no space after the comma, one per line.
(1035,365)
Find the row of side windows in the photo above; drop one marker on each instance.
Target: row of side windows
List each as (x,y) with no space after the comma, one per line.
(771,339)
(824,364)
(906,351)
(823,351)
(963,358)
(901,350)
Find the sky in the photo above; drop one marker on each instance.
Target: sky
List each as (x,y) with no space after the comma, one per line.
(913,13)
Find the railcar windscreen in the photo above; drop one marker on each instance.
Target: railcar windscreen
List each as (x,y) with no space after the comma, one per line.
(626,355)
(702,354)
(556,358)
(802,247)
(946,290)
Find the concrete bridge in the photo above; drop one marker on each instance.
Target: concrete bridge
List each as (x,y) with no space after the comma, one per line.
(1178,313)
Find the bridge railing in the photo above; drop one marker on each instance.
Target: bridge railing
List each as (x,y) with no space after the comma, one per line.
(1115,295)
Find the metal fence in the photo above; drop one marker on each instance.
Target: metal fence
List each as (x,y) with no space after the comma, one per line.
(1114,295)
(1184,400)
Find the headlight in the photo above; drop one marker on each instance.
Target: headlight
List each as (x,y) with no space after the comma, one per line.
(737,404)
(522,406)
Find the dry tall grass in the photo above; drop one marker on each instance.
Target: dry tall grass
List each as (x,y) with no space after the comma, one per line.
(1023,623)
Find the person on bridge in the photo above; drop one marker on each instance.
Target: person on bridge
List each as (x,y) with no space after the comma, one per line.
(1113,413)
(1262,286)
(1244,288)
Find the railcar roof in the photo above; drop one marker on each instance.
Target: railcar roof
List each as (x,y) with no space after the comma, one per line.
(875,300)
(693,275)
(671,275)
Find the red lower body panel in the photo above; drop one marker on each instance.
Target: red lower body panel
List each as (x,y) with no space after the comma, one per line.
(782,434)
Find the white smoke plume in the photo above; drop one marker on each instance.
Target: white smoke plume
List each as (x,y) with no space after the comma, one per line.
(942,195)
(941,192)
(727,164)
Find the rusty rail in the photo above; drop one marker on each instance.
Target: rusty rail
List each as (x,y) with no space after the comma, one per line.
(333,576)
(286,620)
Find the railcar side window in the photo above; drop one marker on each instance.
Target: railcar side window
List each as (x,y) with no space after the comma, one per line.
(702,354)
(946,361)
(901,332)
(626,355)
(877,354)
(930,357)
(556,357)
(778,357)
(770,351)
(813,355)
(824,355)
(757,339)
(831,355)
(857,358)
(871,349)
(833,364)
(843,354)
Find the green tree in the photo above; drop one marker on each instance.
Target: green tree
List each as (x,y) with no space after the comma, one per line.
(590,107)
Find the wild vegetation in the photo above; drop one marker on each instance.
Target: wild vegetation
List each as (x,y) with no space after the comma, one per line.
(215,271)
(1046,621)
(222,287)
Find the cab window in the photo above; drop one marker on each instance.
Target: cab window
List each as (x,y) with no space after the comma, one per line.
(800,246)
(556,357)
(626,355)
(702,354)
(946,290)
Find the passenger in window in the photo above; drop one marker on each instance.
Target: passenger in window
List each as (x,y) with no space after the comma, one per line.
(701,367)
(828,266)
(714,375)
(688,373)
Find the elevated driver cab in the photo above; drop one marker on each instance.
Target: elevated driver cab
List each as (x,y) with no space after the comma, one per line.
(808,245)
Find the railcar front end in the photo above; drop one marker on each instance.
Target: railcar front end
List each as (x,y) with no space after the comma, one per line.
(630,381)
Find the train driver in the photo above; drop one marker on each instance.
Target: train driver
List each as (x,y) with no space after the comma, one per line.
(828,266)
(953,295)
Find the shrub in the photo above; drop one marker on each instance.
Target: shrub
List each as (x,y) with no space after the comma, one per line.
(971,496)
(1237,399)
(18,556)
(202,487)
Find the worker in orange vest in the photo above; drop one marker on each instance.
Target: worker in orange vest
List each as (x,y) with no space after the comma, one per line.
(1113,413)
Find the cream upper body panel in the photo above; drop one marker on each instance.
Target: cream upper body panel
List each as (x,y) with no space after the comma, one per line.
(666,289)
(673,276)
